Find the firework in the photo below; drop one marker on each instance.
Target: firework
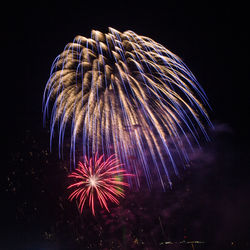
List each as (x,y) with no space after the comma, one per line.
(98,179)
(126,94)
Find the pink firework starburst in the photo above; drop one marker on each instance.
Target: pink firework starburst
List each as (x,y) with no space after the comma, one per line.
(98,179)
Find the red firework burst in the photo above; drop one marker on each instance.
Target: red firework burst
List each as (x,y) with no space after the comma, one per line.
(98,179)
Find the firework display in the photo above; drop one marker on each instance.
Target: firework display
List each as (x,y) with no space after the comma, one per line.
(98,179)
(126,94)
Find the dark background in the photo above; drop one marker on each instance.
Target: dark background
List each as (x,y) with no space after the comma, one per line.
(211,38)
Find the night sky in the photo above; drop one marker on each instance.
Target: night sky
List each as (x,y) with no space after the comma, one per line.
(209,204)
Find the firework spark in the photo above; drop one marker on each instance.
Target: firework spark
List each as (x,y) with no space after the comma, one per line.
(98,179)
(126,94)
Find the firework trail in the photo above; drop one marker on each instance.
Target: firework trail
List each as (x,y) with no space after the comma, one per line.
(126,94)
(98,178)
